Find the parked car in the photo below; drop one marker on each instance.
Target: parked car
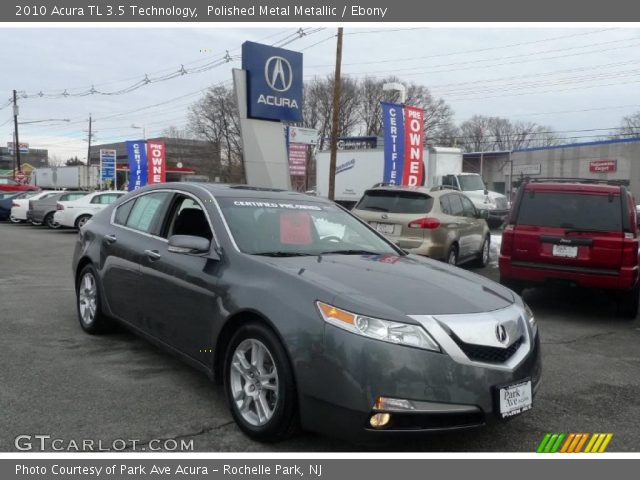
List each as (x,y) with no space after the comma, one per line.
(6,200)
(10,185)
(42,211)
(573,232)
(20,206)
(76,213)
(438,223)
(340,332)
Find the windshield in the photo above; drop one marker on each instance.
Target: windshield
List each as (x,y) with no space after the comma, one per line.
(571,211)
(471,182)
(285,228)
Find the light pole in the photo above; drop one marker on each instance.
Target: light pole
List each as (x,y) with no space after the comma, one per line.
(144,130)
(396,87)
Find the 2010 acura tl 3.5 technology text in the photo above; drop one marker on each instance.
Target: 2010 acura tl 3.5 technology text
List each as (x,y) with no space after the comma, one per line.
(308,316)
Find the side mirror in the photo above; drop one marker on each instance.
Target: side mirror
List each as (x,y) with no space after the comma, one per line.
(188,244)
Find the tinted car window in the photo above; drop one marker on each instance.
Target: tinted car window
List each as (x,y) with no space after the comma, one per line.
(456,206)
(145,212)
(122,213)
(469,209)
(188,218)
(105,199)
(395,202)
(67,197)
(571,210)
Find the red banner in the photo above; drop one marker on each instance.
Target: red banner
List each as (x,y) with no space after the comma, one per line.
(603,166)
(297,159)
(413,171)
(157,163)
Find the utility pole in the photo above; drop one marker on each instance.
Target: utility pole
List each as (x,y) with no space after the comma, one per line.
(336,113)
(16,146)
(89,147)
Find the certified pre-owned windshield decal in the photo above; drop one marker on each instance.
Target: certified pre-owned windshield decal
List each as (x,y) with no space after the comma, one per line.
(291,206)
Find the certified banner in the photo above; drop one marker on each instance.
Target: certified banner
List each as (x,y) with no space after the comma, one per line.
(157,162)
(413,174)
(393,125)
(137,164)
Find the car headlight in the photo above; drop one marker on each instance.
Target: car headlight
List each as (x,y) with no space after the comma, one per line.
(384,330)
(531,319)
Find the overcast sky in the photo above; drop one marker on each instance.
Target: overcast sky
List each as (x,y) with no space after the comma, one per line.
(566,78)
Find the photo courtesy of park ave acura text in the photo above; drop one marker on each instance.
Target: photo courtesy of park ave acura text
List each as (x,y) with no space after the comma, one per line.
(248,228)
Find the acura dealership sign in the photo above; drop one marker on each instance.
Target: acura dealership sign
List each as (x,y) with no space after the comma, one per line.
(274,82)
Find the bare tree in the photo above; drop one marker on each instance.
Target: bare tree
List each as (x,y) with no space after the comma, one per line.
(481,134)
(215,118)
(629,127)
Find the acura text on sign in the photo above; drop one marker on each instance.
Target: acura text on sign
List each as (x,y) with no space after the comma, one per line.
(274,82)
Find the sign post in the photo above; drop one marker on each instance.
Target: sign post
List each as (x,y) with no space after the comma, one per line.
(269,91)
(108,168)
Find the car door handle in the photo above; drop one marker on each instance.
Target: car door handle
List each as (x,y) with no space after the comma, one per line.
(110,239)
(153,254)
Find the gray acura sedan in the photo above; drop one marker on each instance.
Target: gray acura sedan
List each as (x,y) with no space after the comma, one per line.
(308,316)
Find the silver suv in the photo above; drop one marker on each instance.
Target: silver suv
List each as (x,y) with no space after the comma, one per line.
(437,223)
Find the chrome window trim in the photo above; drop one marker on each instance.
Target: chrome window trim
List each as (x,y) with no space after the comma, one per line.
(160,190)
(431,323)
(222,217)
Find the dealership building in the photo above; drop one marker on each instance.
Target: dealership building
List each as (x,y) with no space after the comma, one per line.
(186,159)
(601,160)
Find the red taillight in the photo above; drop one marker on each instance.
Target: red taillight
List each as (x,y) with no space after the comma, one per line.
(427,223)
(59,206)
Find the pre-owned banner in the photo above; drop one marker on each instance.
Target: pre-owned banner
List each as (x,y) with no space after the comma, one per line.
(156,158)
(393,125)
(413,171)
(137,164)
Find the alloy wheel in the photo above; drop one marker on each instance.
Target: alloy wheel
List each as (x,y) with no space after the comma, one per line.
(485,251)
(87,298)
(254,382)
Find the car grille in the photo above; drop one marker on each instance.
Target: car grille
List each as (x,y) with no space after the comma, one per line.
(485,354)
(501,203)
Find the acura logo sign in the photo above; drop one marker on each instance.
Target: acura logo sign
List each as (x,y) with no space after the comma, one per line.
(278,74)
(501,334)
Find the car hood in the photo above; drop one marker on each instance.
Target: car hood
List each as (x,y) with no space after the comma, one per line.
(400,285)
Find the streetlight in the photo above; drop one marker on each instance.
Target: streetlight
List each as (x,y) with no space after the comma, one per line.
(396,87)
(144,131)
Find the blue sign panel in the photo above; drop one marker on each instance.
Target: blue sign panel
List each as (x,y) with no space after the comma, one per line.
(393,125)
(137,164)
(274,82)
(108,166)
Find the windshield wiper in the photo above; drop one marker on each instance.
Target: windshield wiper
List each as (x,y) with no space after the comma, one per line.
(351,252)
(283,254)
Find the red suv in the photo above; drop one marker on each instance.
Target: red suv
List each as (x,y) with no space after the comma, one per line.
(573,232)
(9,185)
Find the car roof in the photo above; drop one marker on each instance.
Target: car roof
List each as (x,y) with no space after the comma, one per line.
(243,191)
(424,190)
(577,186)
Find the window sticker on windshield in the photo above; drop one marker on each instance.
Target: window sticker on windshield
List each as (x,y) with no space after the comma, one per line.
(295,228)
(284,205)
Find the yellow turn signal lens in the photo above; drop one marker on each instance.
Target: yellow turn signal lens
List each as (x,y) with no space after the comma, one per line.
(335,313)
(379,420)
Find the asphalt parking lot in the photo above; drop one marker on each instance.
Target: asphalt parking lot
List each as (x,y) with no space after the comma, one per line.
(56,380)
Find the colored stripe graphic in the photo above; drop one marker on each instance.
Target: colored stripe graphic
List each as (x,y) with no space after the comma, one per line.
(574,442)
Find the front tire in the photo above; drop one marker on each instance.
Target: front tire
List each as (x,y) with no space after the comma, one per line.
(89,303)
(50,222)
(259,384)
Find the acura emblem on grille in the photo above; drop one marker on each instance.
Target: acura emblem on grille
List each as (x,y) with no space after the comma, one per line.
(501,334)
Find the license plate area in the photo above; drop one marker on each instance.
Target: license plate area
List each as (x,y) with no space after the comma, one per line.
(384,228)
(565,251)
(513,399)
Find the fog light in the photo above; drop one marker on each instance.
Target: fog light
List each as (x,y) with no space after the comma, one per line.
(386,403)
(379,420)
